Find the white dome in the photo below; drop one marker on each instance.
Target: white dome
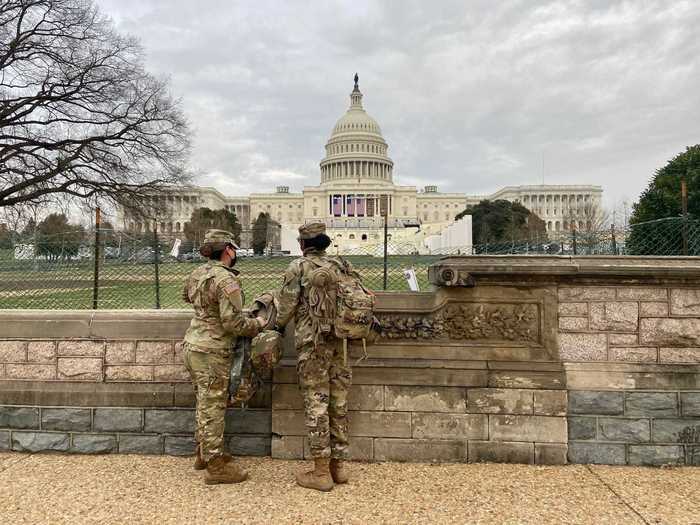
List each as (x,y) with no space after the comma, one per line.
(356,149)
(356,121)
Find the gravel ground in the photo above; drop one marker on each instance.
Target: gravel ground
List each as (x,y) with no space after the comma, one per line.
(44,488)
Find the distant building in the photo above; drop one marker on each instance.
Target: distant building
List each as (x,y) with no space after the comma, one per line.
(357,189)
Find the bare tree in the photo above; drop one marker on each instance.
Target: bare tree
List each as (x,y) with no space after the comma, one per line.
(589,217)
(79,115)
(594,216)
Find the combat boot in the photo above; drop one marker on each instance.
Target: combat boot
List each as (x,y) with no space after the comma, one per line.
(221,469)
(338,471)
(319,478)
(199,463)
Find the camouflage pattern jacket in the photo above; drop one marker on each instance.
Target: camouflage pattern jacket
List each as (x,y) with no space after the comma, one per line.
(215,292)
(294,296)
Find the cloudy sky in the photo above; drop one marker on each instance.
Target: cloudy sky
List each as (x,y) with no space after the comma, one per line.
(471,96)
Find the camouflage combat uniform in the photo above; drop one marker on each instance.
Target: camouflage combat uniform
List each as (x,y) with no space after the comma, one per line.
(215,292)
(324,377)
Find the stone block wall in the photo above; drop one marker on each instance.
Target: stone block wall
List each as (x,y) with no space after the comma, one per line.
(634,427)
(92,360)
(538,360)
(125,430)
(459,375)
(414,422)
(633,371)
(107,382)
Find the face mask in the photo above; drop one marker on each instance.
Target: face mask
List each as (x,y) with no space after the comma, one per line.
(233,261)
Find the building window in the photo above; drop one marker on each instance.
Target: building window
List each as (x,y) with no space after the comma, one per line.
(352,236)
(364,236)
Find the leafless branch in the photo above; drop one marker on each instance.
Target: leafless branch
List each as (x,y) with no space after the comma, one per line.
(79,115)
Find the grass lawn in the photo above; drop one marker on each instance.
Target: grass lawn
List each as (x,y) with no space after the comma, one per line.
(69,285)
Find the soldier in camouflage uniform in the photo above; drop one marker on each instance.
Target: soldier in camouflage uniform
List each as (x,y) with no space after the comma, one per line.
(215,292)
(324,376)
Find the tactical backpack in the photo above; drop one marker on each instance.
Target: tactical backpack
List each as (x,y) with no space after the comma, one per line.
(339,303)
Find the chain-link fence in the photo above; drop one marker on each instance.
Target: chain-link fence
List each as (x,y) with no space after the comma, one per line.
(64,270)
(149,270)
(673,236)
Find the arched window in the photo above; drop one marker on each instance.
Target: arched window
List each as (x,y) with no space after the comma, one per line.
(364,236)
(352,236)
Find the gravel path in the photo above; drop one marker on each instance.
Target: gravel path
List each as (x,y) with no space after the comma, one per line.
(161,489)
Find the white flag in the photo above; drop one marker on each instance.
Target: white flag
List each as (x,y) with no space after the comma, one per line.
(411,279)
(176,248)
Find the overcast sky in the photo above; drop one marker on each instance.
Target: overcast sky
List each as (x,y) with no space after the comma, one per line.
(471,96)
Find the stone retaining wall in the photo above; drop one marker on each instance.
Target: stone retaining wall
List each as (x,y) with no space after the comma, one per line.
(633,362)
(531,360)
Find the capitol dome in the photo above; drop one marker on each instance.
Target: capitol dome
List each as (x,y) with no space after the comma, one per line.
(356,149)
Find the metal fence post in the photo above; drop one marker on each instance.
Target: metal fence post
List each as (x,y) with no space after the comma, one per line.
(156,264)
(684,209)
(386,250)
(614,242)
(573,233)
(96,271)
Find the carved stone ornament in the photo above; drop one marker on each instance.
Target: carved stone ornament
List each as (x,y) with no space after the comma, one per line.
(466,321)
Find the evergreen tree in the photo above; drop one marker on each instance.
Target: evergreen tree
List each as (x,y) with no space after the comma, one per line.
(662,200)
(57,238)
(501,221)
(203,219)
(260,228)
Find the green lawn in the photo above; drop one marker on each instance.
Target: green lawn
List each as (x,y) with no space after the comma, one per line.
(69,285)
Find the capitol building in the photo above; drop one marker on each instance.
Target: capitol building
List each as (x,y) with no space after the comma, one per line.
(357,189)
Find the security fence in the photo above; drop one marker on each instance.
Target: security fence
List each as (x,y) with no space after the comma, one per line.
(129,271)
(107,269)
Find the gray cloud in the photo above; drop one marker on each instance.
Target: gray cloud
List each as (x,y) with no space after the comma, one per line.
(470,95)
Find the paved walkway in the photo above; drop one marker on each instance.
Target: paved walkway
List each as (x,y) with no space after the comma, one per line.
(159,489)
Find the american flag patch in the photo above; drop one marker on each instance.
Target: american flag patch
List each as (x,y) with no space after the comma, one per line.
(232,288)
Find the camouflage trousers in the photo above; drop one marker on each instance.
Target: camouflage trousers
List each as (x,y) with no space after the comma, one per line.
(210,377)
(324,380)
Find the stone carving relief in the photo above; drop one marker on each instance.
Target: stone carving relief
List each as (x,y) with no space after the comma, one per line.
(467,321)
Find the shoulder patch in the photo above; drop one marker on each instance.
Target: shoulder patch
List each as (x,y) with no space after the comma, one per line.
(232,287)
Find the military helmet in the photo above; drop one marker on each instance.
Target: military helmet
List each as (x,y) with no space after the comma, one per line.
(216,240)
(265,307)
(311,230)
(266,350)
